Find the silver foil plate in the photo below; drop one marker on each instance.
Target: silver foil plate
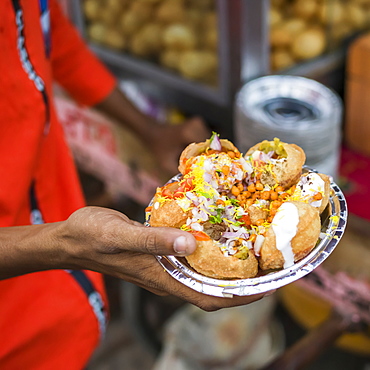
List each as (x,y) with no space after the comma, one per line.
(333,221)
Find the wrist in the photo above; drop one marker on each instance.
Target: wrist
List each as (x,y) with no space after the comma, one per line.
(27,249)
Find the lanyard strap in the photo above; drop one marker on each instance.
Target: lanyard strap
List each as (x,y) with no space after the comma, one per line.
(95,300)
(45,24)
(26,63)
(93,296)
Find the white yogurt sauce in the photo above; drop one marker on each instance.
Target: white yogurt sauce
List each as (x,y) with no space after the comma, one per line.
(308,186)
(285,225)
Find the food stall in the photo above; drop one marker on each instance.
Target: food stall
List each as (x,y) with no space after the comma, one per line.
(197,54)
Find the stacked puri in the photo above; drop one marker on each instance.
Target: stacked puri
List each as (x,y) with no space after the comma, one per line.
(251,212)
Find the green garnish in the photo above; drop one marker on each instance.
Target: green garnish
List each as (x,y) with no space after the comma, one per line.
(216,219)
(234,202)
(242,253)
(206,195)
(237,223)
(214,134)
(273,146)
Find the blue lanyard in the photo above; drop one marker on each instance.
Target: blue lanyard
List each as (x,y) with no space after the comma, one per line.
(26,62)
(93,296)
(45,24)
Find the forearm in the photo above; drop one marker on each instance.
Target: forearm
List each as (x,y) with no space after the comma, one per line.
(25,249)
(119,107)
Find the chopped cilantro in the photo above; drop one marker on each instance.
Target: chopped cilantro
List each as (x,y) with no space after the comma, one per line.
(207,195)
(234,202)
(216,219)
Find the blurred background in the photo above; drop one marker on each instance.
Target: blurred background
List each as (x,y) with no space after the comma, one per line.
(253,70)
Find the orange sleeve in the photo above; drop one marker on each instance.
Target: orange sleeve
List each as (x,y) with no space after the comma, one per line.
(74,66)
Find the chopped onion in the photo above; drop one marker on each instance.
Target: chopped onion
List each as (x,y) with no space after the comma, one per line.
(192,197)
(199,214)
(258,243)
(196,226)
(256,155)
(230,234)
(207,177)
(246,165)
(208,165)
(264,157)
(215,143)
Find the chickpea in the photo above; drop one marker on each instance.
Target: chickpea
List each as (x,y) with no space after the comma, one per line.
(259,186)
(231,154)
(251,188)
(247,194)
(235,191)
(273,195)
(279,189)
(240,186)
(225,170)
(256,195)
(249,202)
(276,204)
(265,195)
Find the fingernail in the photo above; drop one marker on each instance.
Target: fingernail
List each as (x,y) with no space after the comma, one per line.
(180,245)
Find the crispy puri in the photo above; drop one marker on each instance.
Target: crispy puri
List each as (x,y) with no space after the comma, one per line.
(167,214)
(286,172)
(326,194)
(208,260)
(308,232)
(313,186)
(256,213)
(297,228)
(195,149)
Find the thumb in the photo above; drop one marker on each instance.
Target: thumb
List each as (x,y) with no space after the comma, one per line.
(163,241)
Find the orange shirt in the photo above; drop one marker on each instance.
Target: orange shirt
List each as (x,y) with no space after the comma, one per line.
(46,321)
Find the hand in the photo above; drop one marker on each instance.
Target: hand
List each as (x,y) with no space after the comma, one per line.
(109,242)
(165,141)
(168,142)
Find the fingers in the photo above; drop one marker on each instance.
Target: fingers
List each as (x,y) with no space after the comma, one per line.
(168,284)
(160,241)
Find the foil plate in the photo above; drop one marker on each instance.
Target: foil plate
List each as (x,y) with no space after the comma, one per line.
(333,221)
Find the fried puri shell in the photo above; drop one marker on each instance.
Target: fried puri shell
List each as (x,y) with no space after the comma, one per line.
(308,232)
(168,214)
(287,172)
(194,149)
(208,260)
(256,213)
(325,199)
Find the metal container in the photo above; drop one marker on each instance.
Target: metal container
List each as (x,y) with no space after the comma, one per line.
(334,220)
(295,110)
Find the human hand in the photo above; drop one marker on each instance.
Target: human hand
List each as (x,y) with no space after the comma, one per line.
(107,241)
(168,141)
